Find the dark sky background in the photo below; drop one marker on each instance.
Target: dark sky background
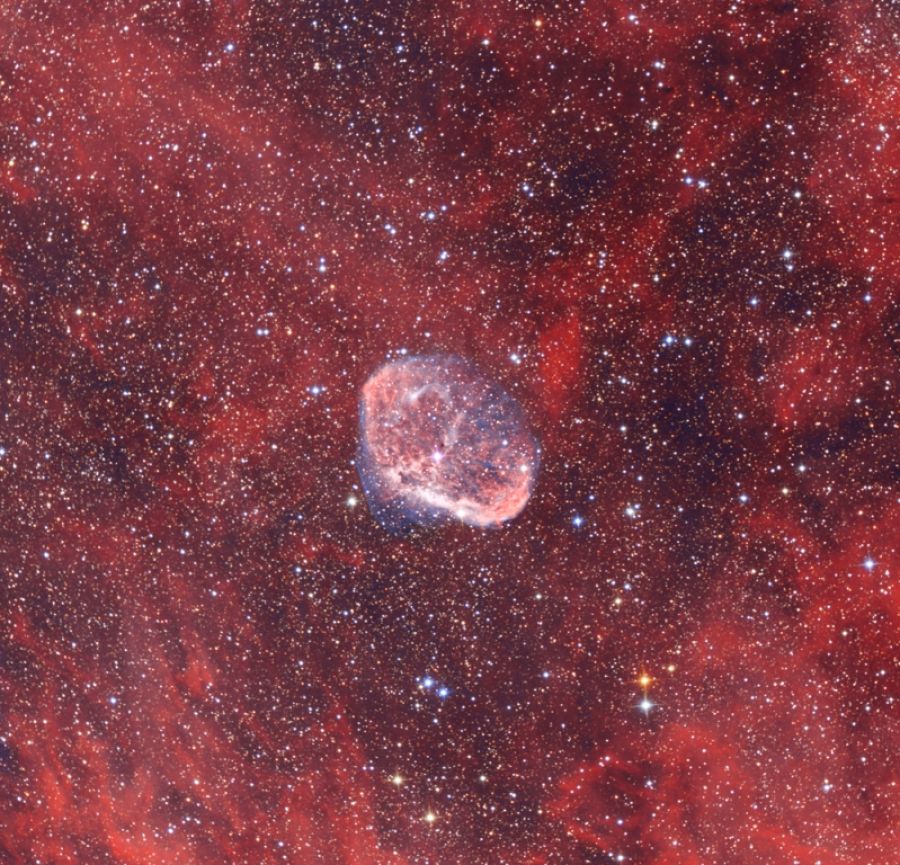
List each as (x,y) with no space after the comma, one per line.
(669,230)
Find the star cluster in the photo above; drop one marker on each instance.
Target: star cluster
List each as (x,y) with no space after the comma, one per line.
(670,231)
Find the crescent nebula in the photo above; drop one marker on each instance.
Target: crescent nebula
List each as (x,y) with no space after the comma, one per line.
(439,441)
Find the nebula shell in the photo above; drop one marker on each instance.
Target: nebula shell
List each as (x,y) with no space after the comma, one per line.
(440,441)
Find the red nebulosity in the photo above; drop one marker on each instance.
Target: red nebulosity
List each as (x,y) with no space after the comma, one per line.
(668,230)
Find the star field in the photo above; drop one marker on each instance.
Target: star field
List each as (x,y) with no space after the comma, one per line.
(668,231)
